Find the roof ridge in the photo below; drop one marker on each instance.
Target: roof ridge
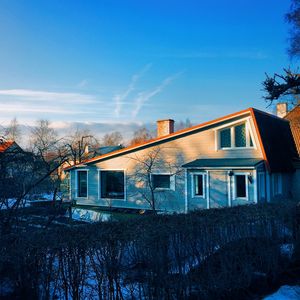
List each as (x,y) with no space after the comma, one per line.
(268,114)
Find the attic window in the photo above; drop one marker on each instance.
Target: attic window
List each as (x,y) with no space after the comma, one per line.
(237,136)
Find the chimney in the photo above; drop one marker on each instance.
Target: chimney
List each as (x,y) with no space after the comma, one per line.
(165,127)
(281,109)
(86,149)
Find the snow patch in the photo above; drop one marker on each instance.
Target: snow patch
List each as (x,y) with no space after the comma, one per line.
(286,292)
(287,250)
(87,215)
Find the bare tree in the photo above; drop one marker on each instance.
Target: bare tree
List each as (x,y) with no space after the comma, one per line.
(184,124)
(112,139)
(150,168)
(79,146)
(141,135)
(13,131)
(43,139)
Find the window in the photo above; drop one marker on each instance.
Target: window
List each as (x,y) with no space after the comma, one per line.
(240,186)
(240,135)
(82,183)
(112,184)
(277,184)
(237,136)
(225,136)
(198,185)
(161,181)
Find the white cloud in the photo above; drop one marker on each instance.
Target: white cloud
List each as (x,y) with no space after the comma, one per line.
(9,108)
(119,98)
(33,95)
(145,96)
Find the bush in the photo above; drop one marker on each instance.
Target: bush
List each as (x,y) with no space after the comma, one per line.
(204,254)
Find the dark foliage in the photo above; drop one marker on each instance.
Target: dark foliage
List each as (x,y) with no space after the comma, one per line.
(278,86)
(208,254)
(288,83)
(293,18)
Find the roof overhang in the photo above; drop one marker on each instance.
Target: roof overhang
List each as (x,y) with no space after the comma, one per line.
(224,163)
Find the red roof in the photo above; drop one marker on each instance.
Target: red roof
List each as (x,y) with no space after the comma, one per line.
(5,145)
(274,136)
(162,138)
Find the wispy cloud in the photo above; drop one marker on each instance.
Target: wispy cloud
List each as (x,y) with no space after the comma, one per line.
(250,55)
(145,96)
(83,83)
(34,95)
(120,98)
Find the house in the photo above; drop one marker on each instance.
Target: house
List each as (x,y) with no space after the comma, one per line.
(293,116)
(11,158)
(242,158)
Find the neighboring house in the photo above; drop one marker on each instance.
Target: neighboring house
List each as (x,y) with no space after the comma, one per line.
(11,158)
(242,158)
(294,118)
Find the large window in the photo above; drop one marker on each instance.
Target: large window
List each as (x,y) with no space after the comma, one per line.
(198,185)
(237,136)
(82,183)
(112,184)
(241,186)
(163,181)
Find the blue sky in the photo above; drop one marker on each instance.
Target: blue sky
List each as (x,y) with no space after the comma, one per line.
(137,61)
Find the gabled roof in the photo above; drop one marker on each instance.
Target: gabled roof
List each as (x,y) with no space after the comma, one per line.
(4,145)
(274,136)
(158,140)
(277,141)
(223,162)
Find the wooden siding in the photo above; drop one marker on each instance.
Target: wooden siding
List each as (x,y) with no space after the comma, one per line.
(173,154)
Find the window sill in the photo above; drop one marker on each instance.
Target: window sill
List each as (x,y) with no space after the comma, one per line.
(163,189)
(112,199)
(237,148)
(198,196)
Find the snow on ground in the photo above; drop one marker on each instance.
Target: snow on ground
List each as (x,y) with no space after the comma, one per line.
(10,203)
(87,215)
(287,250)
(285,292)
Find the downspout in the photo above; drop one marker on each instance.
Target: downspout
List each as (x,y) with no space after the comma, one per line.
(207,190)
(185,191)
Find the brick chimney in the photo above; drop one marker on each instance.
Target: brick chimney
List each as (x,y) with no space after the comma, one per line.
(165,127)
(281,110)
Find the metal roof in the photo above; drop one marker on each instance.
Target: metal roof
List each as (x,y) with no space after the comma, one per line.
(223,163)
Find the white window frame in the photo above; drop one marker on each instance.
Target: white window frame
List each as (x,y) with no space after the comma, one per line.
(247,186)
(76,183)
(172,181)
(203,174)
(231,126)
(99,185)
